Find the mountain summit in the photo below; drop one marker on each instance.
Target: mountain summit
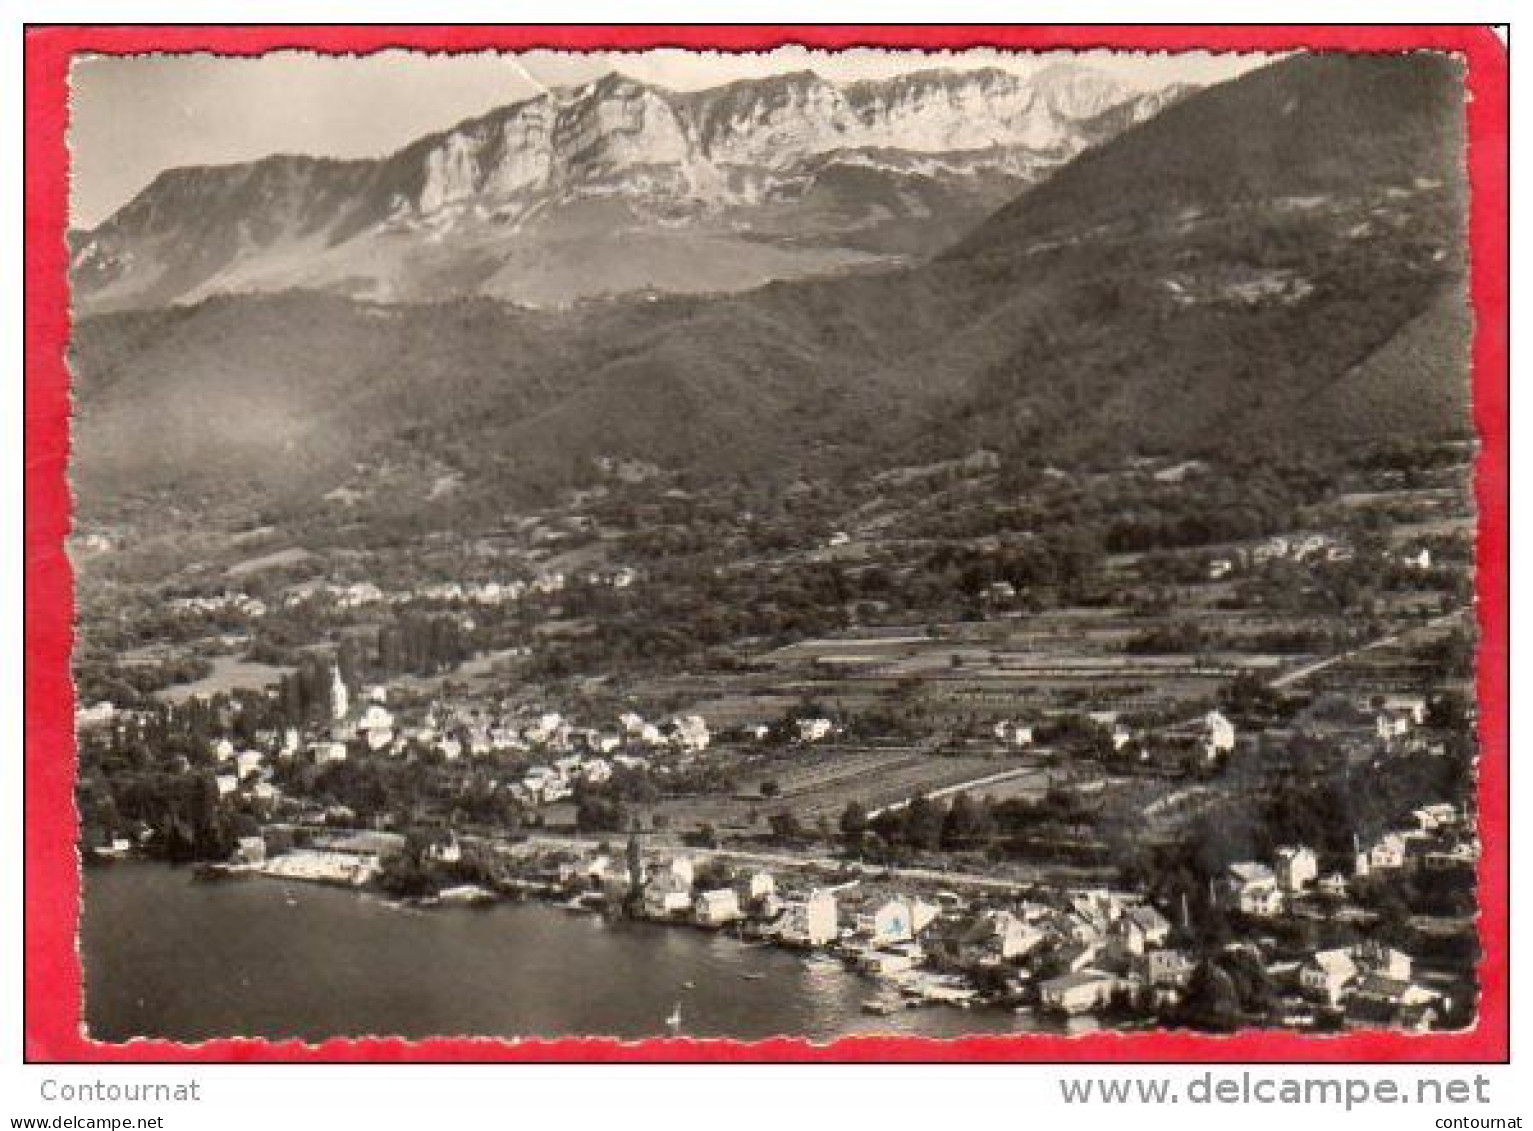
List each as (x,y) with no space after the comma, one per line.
(613,187)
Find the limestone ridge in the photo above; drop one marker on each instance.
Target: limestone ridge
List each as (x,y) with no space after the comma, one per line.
(616,186)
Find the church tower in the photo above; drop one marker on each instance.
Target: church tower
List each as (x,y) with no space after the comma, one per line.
(340,703)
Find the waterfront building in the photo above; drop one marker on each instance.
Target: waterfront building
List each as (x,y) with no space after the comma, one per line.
(1080,992)
(717,908)
(811,921)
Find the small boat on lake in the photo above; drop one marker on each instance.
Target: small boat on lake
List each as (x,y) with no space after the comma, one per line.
(673,1022)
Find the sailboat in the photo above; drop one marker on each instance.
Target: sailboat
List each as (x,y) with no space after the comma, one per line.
(673,1022)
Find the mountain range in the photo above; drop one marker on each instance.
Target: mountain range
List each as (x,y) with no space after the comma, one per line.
(614,187)
(1268,268)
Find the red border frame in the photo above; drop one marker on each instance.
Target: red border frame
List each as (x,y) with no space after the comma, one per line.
(53,976)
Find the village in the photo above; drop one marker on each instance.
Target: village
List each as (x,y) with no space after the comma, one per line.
(1304,958)
(1119,783)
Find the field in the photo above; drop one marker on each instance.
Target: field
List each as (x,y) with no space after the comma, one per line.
(229,673)
(1063,660)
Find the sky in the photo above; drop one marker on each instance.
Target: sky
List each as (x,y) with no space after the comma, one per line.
(134,117)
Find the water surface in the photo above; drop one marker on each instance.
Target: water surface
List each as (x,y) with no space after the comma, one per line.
(168,956)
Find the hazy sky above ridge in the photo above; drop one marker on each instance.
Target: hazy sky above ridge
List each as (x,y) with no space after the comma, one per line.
(133,117)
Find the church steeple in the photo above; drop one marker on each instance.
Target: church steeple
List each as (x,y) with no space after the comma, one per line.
(340,702)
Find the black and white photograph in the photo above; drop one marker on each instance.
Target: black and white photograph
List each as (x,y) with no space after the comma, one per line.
(805,543)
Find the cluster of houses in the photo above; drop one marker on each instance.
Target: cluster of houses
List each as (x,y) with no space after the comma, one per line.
(1309,547)
(1438,839)
(1066,952)
(1073,952)
(1306,547)
(488,593)
(1301,548)
(573,753)
(1371,984)
(1198,744)
(249,772)
(227,602)
(1264,891)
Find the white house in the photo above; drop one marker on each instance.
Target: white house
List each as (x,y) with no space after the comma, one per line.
(227,784)
(1014,733)
(1413,707)
(1296,867)
(662,902)
(1081,992)
(97,715)
(1218,734)
(680,872)
(1253,889)
(1327,974)
(1139,929)
(1167,967)
(690,733)
(811,921)
(1387,852)
(761,885)
(813,730)
(716,908)
(376,717)
(249,850)
(1430,818)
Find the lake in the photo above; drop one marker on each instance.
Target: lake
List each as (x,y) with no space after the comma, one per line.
(169,956)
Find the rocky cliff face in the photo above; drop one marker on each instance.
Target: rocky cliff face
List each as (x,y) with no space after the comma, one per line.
(616,186)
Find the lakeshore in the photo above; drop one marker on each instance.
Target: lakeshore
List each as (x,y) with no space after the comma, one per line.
(167,956)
